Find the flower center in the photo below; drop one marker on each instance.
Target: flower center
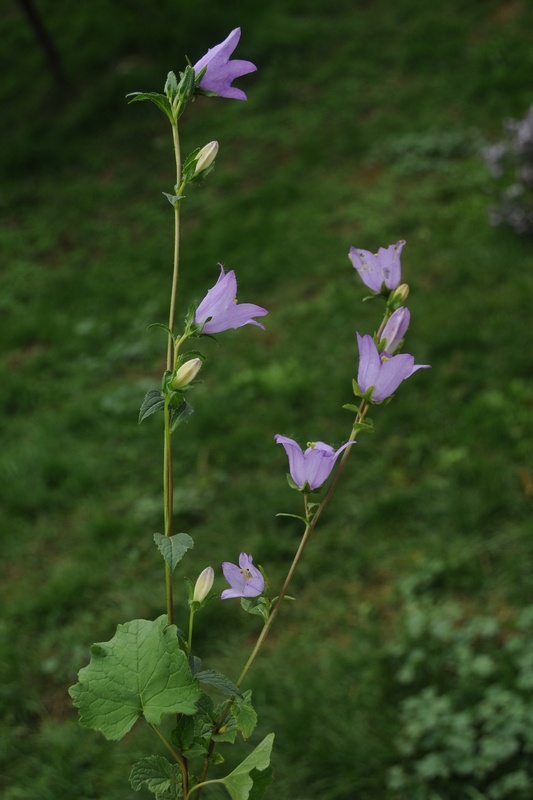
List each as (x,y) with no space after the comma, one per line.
(247,574)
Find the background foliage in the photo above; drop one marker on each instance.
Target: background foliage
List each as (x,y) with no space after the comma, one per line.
(363,126)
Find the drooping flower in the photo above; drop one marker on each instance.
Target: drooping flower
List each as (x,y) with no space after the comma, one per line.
(245,580)
(395,329)
(382,371)
(221,71)
(312,467)
(203,585)
(382,268)
(220,311)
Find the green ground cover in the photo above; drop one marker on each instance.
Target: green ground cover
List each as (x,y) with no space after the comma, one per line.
(363,126)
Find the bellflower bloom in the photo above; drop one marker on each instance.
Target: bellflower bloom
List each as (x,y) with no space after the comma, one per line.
(220,311)
(245,580)
(395,329)
(381,268)
(312,467)
(384,372)
(221,71)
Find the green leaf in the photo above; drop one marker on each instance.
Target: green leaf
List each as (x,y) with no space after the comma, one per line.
(140,672)
(218,681)
(173,548)
(244,715)
(158,774)
(153,402)
(259,606)
(173,199)
(180,414)
(248,781)
(155,97)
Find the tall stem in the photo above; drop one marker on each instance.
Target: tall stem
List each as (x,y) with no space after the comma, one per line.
(168,481)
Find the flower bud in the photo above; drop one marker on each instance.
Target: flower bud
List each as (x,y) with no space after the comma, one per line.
(186,373)
(206,156)
(398,297)
(395,329)
(203,585)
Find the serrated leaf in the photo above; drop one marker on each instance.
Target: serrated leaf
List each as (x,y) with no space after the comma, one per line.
(180,414)
(153,402)
(218,681)
(173,548)
(247,781)
(140,672)
(158,774)
(244,715)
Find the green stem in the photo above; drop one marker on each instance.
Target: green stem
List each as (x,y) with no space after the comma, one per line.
(168,481)
(168,502)
(191,623)
(311,524)
(181,762)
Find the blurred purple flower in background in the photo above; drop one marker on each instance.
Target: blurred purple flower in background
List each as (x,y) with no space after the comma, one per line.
(221,71)
(381,268)
(245,580)
(384,372)
(220,311)
(313,466)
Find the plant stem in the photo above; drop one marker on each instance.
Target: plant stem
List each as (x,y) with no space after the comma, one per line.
(168,481)
(181,762)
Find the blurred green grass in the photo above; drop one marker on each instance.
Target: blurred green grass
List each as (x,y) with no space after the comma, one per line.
(363,126)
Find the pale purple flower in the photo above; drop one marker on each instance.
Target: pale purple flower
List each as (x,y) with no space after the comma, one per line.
(220,311)
(382,268)
(395,329)
(245,580)
(313,466)
(221,71)
(382,371)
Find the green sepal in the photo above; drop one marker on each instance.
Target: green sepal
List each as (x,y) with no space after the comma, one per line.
(173,548)
(218,681)
(180,414)
(158,99)
(160,776)
(152,403)
(244,714)
(258,606)
(171,86)
(189,165)
(217,758)
(187,84)
(250,780)
(140,672)
(367,396)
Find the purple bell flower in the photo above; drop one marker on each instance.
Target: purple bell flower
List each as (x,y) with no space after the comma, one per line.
(380,269)
(220,311)
(312,467)
(395,329)
(382,371)
(245,580)
(221,71)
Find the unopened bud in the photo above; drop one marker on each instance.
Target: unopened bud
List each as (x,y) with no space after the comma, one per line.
(398,297)
(206,156)
(203,585)
(395,329)
(186,373)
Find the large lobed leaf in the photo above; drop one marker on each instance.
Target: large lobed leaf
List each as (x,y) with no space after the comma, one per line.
(140,672)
